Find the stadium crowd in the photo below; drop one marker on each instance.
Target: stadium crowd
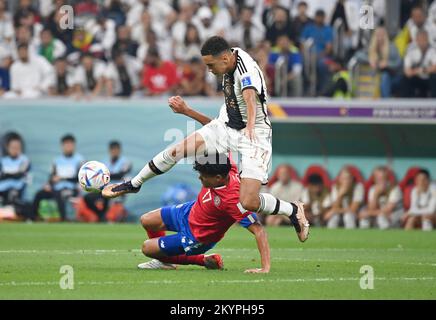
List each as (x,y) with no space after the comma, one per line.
(348,200)
(130,48)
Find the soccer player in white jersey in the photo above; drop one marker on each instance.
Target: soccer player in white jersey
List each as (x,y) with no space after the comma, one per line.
(243,126)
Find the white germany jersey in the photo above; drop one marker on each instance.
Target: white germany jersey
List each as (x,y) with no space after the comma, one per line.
(247,74)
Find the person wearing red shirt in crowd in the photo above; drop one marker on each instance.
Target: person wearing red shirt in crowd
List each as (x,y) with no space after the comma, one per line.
(202,223)
(159,76)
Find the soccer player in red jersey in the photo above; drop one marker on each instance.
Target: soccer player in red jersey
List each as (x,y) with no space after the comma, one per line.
(202,223)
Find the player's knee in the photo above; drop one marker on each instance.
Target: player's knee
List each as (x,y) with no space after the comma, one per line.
(250,203)
(145,220)
(146,248)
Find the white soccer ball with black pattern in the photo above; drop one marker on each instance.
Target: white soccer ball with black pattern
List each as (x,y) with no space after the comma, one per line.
(94,176)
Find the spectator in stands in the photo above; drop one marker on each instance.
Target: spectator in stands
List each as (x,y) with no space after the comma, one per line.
(384,203)
(51,48)
(14,168)
(7,32)
(30,76)
(62,183)
(347,196)
(384,58)
(212,20)
(89,78)
(25,7)
(301,20)
(23,35)
(123,75)
(124,43)
(409,33)
(114,11)
(185,16)
(54,24)
(82,41)
(248,32)
(282,25)
(159,76)
(119,167)
(103,31)
(62,83)
(5,77)
(340,85)
(432,24)
(285,188)
(189,48)
(420,69)
(423,203)
(194,80)
(316,197)
(286,50)
(268,13)
(322,35)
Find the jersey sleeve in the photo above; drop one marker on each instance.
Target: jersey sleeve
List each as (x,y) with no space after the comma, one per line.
(249,220)
(249,76)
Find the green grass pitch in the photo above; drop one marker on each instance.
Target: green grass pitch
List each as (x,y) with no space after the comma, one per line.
(104,259)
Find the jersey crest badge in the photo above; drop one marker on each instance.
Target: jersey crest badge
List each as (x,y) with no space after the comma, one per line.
(246,81)
(216,201)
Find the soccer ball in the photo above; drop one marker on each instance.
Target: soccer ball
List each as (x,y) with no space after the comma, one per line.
(94,176)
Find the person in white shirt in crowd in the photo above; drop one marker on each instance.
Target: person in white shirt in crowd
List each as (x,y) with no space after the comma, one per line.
(209,24)
(384,203)
(89,79)
(248,32)
(27,19)
(7,31)
(23,35)
(286,189)
(186,13)
(316,197)
(417,22)
(420,69)
(30,75)
(103,31)
(190,47)
(123,75)
(51,48)
(162,14)
(431,20)
(347,196)
(62,83)
(422,203)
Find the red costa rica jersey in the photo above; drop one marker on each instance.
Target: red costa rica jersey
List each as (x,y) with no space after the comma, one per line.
(216,210)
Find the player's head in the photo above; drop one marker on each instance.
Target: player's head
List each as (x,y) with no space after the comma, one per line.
(422,179)
(114,149)
(68,143)
(14,144)
(217,55)
(315,183)
(23,52)
(213,169)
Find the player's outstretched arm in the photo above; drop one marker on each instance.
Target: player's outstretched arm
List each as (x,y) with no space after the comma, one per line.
(178,105)
(262,244)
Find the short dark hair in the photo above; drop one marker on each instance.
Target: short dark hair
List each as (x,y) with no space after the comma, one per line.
(114,144)
(22,45)
(315,179)
(214,46)
(302,4)
(213,164)
(9,137)
(424,172)
(320,13)
(68,138)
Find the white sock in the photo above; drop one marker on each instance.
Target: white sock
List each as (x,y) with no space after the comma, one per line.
(271,205)
(161,163)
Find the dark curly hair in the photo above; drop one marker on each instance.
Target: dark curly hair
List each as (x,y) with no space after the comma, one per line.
(212,165)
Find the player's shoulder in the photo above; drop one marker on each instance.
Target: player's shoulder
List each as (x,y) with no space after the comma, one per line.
(244,62)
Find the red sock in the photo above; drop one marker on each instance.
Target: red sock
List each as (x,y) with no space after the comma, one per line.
(184,259)
(155,234)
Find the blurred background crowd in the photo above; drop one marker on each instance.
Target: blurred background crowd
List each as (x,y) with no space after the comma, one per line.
(130,48)
(349,200)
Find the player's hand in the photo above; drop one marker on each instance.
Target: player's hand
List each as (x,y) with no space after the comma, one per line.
(257,270)
(178,105)
(250,133)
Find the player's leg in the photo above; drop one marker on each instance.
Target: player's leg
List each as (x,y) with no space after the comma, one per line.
(350,220)
(160,164)
(427,223)
(153,224)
